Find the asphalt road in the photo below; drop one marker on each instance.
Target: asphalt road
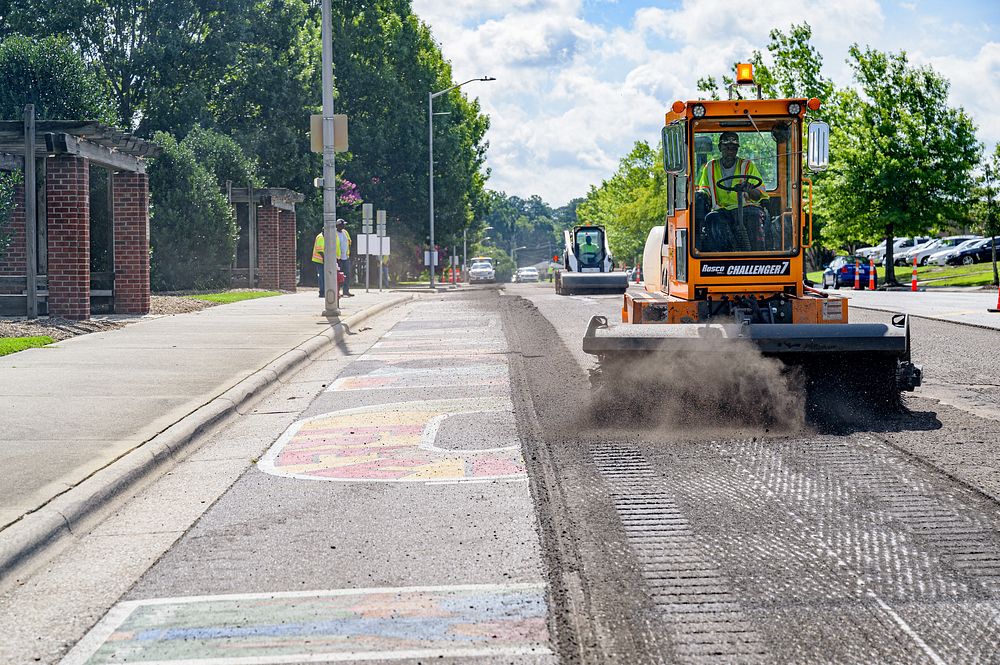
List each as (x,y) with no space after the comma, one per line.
(441,489)
(879,542)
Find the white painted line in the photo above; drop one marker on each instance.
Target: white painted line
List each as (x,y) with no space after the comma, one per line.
(325,593)
(111,621)
(99,634)
(360,656)
(908,630)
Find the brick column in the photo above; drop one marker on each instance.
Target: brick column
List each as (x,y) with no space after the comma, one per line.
(67,191)
(12,262)
(130,221)
(286,253)
(267,247)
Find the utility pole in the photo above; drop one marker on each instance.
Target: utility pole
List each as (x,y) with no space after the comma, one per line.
(991,218)
(330,285)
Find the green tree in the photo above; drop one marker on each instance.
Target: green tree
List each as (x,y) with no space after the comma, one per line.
(161,59)
(902,156)
(47,72)
(629,203)
(192,228)
(524,228)
(985,210)
(223,157)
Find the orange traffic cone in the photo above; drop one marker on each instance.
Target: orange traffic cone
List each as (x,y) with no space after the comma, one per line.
(871,274)
(638,273)
(913,282)
(857,274)
(998,304)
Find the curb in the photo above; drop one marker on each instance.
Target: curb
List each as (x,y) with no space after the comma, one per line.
(71,512)
(871,308)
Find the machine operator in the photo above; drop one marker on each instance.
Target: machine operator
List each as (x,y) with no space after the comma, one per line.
(723,233)
(588,251)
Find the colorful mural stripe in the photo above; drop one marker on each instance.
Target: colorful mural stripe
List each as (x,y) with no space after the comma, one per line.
(392,443)
(464,621)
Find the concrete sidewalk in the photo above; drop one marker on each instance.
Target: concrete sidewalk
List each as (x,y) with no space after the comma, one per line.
(969,307)
(70,410)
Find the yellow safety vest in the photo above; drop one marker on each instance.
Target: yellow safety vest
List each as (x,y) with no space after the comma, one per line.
(712,173)
(320,244)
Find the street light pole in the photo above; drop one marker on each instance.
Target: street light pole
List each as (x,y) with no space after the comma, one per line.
(330,286)
(431,96)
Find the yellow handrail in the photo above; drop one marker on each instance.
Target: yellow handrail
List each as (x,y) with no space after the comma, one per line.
(808,180)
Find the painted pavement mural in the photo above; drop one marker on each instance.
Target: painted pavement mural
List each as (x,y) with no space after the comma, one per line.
(468,439)
(323,626)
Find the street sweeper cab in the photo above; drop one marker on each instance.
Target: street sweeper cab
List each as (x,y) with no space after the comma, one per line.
(588,266)
(727,263)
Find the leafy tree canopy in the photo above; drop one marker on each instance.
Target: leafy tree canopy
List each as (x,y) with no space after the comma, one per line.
(49,74)
(223,157)
(630,203)
(903,157)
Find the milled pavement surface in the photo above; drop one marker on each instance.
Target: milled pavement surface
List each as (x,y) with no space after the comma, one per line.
(139,393)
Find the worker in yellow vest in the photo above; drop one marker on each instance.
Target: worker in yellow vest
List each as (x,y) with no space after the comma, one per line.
(723,233)
(319,245)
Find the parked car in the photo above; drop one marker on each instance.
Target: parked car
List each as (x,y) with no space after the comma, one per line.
(840,272)
(979,252)
(905,258)
(482,272)
(941,258)
(924,253)
(528,274)
(866,252)
(900,246)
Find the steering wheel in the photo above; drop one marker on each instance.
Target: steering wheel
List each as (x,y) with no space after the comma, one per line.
(745,179)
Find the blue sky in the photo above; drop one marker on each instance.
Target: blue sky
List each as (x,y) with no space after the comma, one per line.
(579,81)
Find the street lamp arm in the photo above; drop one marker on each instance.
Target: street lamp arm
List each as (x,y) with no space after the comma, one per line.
(435,95)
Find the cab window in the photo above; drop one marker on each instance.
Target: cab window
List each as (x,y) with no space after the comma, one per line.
(767,151)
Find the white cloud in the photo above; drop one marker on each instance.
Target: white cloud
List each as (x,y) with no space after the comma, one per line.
(572,96)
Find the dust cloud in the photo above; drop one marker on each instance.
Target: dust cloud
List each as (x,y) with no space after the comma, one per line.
(725,387)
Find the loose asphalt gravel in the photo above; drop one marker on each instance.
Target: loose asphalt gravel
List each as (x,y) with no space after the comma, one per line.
(878,541)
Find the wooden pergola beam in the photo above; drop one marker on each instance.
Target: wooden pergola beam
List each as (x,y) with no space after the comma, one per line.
(71,145)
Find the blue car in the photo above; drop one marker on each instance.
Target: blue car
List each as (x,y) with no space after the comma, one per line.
(840,272)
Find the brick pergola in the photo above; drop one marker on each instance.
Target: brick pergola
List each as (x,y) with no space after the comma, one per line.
(270,236)
(59,237)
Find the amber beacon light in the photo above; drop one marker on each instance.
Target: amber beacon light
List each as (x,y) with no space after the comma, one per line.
(744,72)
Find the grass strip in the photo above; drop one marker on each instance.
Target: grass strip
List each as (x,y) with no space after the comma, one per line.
(10,345)
(226,297)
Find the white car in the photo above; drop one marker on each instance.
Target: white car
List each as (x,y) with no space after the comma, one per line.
(899,247)
(925,252)
(868,252)
(941,258)
(905,258)
(482,272)
(526,275)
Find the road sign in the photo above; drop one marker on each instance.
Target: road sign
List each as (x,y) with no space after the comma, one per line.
(368,243)
(380,218)
(339,133)
(366,213)
(366,228)
(427,258)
